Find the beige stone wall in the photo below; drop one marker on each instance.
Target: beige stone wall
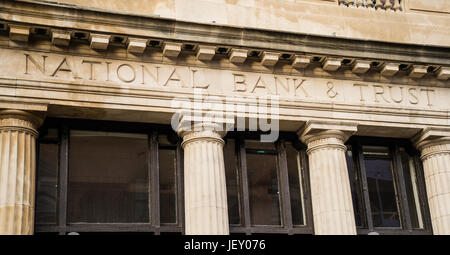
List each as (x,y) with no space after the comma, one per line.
(95,60)
(420,22)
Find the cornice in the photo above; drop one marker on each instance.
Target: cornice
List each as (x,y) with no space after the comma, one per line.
(164,29)
(19,32)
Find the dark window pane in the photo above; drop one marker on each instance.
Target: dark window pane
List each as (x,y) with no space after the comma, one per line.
(47,184)
(412,192)
(381,188)
(49,135)
(229,153)
(108,177)
(353,185)
(295,185)
(263,187)
(167,185)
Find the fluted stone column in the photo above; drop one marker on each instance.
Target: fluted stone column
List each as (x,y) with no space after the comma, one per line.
(17,171)
(206,208)
(434,145)
(330,185)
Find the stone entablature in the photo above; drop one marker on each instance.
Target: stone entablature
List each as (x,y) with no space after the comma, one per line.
(129,68)
(80,85)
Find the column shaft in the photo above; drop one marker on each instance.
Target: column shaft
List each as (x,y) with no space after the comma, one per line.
(206,209)
(17,171)
(330,187)
(436,164)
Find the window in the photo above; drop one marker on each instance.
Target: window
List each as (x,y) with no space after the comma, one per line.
(267,185)
(387,186)
(108,177)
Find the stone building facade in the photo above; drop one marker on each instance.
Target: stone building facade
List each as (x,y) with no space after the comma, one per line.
(149,116)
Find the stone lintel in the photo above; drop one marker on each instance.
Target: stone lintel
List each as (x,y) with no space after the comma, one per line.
(238,56)
(301,61)
(99,41)
(417,71)
(443,73)
(136,45)
(60,38)
(171,49)
(361,66)
(270,58)
(205,52)
(24,106)
(313,130)
(18,32)
(390,69)
(331,64)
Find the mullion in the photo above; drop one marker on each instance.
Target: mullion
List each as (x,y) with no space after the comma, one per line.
(362,168)
(237,171)
(154,214)
(399,178)
(286,211)
(63,179)
(244,178)
(423,197)
(358,187)
(180,186)
(309,222)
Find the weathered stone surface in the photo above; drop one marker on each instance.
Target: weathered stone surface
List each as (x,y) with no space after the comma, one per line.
(99,41)
(61,37)
(361,66)
(443,73)
(172,49)
(206,208)
(331,64)
(301,61)
(330,187)
(17,171)
(19,33)
(205,52)
(136,45)
(270,58)
(417,71)
(434,144)
(390,69)
(308,17)
(238,56)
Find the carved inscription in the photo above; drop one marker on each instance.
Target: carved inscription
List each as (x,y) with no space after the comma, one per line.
(225,81)
(394,94)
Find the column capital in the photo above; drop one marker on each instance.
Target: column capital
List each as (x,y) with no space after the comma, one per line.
(315,130)
(432,140)
(193,128)
(21,120)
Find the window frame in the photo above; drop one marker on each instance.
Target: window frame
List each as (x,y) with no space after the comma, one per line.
(362,192)
(286,227)
(62,226)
